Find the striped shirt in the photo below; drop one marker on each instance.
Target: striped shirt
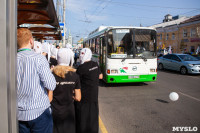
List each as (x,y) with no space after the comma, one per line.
(33,79)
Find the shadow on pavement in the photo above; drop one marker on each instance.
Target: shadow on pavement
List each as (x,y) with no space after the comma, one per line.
(176,72)
(162,101)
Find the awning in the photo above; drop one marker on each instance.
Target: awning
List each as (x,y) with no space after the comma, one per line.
(41,12)
(48,36)
(45,32)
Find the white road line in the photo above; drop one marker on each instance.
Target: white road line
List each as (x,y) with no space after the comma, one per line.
(190,96)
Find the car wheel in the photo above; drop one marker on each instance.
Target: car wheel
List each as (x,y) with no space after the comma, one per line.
(160,66)
(183,70)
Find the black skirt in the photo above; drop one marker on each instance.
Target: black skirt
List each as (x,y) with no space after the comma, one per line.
(87,117)
(64,120)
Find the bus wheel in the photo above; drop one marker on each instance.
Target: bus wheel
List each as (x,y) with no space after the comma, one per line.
(160,66)
(183,70)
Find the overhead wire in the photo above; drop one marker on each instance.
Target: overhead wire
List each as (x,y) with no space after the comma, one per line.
(101,10)
(93,12)
(101,2)
(129,4)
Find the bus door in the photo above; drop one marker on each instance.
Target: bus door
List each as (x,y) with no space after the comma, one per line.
(103,56)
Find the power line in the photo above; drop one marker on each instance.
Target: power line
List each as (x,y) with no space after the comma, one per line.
(190,12)
(104,7)
(135,16)
(101,10)
(130,4)
(112,14)
(92,24)
(100,4)
(97,8)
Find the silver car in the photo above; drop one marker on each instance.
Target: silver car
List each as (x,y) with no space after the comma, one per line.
(184,63)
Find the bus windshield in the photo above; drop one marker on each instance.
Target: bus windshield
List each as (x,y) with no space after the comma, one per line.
(123,43)
(145,43)
(120,43)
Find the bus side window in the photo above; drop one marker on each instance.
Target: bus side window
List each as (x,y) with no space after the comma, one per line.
(97,42)
(103,41)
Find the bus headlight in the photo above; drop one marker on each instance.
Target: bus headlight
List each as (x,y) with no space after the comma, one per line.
(152,70)
(114,71)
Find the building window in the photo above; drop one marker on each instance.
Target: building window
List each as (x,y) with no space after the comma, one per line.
(198,31)
(167,36)
(184,33)
(173,36)
(192,32)
(160,36)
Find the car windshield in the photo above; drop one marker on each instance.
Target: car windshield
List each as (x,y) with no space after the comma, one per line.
(188,58)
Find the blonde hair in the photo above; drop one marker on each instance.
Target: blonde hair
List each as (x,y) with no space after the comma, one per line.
(23,37)
(60,71)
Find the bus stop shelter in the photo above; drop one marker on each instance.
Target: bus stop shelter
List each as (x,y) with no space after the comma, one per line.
(15,13)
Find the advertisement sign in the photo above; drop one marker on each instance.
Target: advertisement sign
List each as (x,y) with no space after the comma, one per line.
(195,39)
(62,28)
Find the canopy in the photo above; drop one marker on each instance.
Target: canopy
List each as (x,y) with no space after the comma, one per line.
(41,12)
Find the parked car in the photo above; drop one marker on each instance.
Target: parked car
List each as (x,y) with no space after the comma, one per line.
(162,52)
(197,56)
(184,63)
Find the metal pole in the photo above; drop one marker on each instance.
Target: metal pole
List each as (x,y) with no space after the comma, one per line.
(64,23)
(8,97)
(57,11)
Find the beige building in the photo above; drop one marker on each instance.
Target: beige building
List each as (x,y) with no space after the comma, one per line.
(179,32)
(189,34)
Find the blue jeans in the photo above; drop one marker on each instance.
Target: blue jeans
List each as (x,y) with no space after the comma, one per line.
(42,124)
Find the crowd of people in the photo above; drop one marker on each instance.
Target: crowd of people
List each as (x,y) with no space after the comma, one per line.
(53,96)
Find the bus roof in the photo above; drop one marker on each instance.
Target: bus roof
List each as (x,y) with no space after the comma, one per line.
(101,29)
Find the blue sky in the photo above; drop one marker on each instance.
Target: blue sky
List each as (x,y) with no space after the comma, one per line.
(84,16)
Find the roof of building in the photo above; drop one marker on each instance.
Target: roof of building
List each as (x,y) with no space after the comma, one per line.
(192,19)
(170,23)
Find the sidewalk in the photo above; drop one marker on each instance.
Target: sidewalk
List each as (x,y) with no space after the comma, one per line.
(100,130)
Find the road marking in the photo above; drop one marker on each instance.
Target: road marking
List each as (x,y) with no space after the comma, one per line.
(190,96)
(101,126)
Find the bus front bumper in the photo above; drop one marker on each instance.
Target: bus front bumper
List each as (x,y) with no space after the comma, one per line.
(130,78)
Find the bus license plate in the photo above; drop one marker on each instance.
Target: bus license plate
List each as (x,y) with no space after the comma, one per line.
(133,77)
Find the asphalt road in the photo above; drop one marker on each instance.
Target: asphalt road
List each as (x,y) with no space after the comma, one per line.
(146,107)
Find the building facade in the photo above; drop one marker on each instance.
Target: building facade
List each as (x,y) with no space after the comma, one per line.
(179,32)
(190,35)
